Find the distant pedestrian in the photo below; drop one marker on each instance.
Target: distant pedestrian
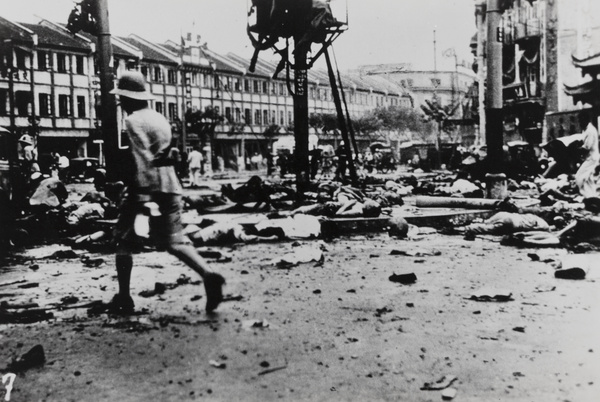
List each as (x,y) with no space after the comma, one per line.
(585,176)
(195,160)
(282,162)
(270,164)
(28,155)
(182,167)
(340,152)
(154,188)
(315,161)
(63,168)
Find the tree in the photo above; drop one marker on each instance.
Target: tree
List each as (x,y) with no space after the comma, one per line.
(392,119)
(400,119)
(367,125)
(323,122)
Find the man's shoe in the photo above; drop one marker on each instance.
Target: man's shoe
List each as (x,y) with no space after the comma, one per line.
(122,305)
(213,285)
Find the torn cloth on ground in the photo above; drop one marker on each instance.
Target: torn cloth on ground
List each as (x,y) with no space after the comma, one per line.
(298,256)
(460,186)
(297,227)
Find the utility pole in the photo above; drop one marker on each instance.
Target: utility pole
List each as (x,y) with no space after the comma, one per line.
(110,132)
(341,120)
(434,50)
(301,119)
(9,48)
(494,116)
(438,135)
(184,96)
(480,14)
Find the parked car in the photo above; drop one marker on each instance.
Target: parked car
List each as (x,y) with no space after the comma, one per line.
(83,168)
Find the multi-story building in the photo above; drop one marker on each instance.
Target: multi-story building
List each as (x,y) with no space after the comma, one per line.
(49,86)
(450,89)
(540,38)
(47,90)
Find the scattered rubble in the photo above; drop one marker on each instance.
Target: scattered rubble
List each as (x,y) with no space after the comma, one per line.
(35,357)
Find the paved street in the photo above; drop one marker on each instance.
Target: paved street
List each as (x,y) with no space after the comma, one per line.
(339,330)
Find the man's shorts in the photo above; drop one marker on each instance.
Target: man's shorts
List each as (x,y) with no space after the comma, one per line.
(165,230)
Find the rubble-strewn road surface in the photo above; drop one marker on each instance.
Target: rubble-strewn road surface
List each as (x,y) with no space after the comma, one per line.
(340,331)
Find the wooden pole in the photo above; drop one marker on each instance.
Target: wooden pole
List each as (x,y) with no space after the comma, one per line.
(301,121)
(494,115)
(110,131)
(341,120)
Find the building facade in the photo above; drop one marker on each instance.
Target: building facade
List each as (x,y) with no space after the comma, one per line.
(49,87)
(541,38)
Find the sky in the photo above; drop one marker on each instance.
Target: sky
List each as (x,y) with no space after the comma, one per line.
(379,31)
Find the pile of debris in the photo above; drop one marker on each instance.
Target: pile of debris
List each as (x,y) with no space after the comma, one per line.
(542,212)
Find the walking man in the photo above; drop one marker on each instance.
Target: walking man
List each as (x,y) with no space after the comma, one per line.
(340,152)
(194,160)
(152,186)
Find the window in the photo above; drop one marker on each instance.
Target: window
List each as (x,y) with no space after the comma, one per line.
(144,71)
(3,102)
(274,88)
(61,63)
(236,85)
(194,78)
(257,119)
(228,114)
(21,59)
(273,116)
(79,65)
(247,85)
(23,102)
(158,74)
(247,116)
(290,119)
(81,110)
(44,103)
(172,111)
(216,82)
(42,60)
(281,118)
(281,89)
(172,77)
(238,115)
(160,107)
(265,87)
(64,105)
(265,117)
(256,87)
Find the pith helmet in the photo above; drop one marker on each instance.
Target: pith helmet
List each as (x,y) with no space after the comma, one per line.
(26,139)
(132,84)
